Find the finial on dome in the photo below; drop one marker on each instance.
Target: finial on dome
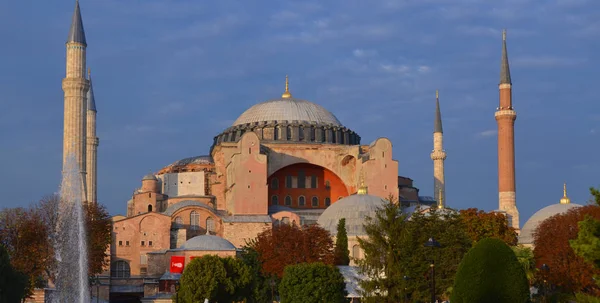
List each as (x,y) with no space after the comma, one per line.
(287,93)
(565,199)
(363,189)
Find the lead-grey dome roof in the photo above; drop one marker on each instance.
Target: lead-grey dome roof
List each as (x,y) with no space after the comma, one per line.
(149,177)
(526,236)
(355,209)
(208,242)
(287,109)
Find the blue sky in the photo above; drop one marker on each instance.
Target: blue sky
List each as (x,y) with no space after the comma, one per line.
(170,75)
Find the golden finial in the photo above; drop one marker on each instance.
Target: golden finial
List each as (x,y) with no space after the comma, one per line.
(362,189)
(504,35)
(437,94)
(287,93)
(565,199)
(440,199)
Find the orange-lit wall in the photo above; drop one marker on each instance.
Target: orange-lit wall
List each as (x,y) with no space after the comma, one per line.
(337,187)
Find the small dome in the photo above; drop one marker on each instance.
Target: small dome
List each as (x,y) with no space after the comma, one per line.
(287,109)
(149,177)
(526,236)
(207,242)
(354,209)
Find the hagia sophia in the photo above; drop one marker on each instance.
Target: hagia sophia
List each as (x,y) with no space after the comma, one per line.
(283,161)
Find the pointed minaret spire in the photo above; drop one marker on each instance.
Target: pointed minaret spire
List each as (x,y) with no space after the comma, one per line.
(91,101)
(76,33)
(504,68)
(437,126)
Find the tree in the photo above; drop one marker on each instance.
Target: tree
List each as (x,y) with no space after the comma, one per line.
(342,255)
(595,195)
(587,244)
(394,249)
(214,278)
(25,237)
(490,272)
(568,271)
(261,289)
(312,283)
(285,245)
(526,259)
(13,285)
(480,225)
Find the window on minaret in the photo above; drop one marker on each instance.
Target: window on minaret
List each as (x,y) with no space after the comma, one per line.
(194,220)
(288,200)
(210,225)
(288,181)
(178,222)
(301,201)
(315,201)
(275,183)
(274,200)
(301,179)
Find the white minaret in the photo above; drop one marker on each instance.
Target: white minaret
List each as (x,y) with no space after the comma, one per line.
(75,87)
(438,155)
(92,145)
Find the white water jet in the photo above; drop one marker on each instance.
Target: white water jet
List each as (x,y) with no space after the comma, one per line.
(72,284)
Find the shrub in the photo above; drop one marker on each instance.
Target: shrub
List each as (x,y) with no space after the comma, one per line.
(312,283)
(491,273)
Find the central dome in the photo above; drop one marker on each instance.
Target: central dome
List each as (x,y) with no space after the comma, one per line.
(287,109)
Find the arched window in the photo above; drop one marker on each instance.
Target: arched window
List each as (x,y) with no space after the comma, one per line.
(315,201)
(301,201)
(327,202)
(289,132)
(276,133)
(210,225)
(120,269)
(274,183)
(149,208)
(301,179)
(301,133)
(274,200)
(313,133)
(355,251)
(327,184)
(194,220)
(288,200)
(178,222)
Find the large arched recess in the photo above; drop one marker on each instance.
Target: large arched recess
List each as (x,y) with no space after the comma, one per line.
(329,187)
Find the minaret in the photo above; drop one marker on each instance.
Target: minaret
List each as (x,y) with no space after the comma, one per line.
(438,155)
(506,116)
(75,87)
(92,144)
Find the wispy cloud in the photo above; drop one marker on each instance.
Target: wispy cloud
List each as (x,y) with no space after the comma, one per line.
(487,133)
(547,61)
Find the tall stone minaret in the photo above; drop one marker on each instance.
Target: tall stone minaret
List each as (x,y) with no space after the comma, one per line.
(438,155)
(76,87)
(92,144)
(506,116)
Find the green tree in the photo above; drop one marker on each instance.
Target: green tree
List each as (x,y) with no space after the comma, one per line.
(13,285)
(261,287)
(394,249)
(342,255)
(216,279)
(526,259)
(312,283)
(595,195)
(587,243)
(490,272)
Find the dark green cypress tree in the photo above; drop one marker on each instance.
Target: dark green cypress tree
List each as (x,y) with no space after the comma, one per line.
(342,255)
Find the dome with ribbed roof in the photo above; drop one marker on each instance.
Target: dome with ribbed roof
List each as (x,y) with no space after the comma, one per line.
(208,242)
(355,209)
(287,109)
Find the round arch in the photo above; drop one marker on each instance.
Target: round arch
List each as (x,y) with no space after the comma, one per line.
(308,181)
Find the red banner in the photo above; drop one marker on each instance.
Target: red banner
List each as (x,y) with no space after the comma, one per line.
(177,264)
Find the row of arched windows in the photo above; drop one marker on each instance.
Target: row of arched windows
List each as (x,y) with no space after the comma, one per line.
(195,222)
(301,201)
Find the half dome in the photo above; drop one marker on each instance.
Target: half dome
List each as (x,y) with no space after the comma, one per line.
(526,236)
(355,209)
(208,242)
(287,109)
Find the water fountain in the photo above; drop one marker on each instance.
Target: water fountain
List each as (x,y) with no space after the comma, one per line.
(71,240)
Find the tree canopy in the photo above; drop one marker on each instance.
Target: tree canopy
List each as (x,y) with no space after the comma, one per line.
(480,225)
(13,285)
(567,270)
(396,261)
(312,283)
(342,255)
(490,272)
(285,245)
(216,279)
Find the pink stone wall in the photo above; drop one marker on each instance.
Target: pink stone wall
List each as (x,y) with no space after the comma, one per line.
(249,192)
(381,171)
